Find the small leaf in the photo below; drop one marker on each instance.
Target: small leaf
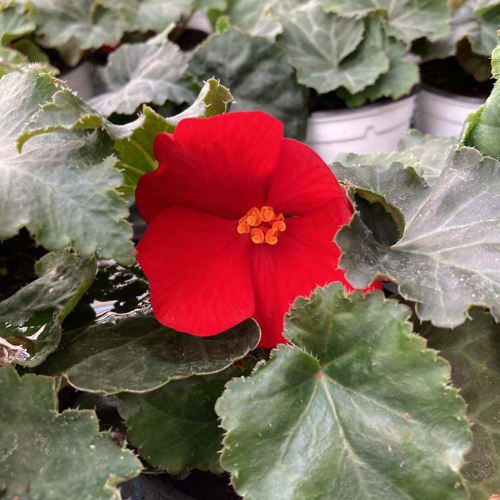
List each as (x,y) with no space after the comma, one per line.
(51,455)
(142,73)
(68,112)
(73,26)
(151,15)
(473,349)
(406,19)
(481,128)
(397,82)
(35,55)
(136,151)
(175,428)
(14,23)
(356,407)
(92,358)
(62,187)
(478,25)
(352,60)
(11,60)
(447,259)
(32,317)
(258,74)
(256,17)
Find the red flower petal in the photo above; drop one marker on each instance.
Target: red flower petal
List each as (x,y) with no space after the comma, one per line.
(199,271)
(219,165)
(301,182)
(304,257)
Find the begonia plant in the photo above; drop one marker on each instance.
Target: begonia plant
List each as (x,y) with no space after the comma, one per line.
(237,341)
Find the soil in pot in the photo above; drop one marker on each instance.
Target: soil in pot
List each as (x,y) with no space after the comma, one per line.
(448,75)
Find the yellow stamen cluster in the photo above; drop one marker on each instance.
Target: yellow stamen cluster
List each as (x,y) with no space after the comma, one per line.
(263,225)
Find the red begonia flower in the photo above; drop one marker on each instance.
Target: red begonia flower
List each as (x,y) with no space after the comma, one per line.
(240,222)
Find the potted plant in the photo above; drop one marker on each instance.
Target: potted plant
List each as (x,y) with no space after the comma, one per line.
(244,348)
(456,69)
(346,56)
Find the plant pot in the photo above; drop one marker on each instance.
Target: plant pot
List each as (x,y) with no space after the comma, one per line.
(81,80)
(442,113)
(374,128)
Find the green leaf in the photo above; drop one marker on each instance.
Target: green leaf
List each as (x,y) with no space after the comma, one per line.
(35,55)
(92,358)
(175,428)
(427,154)
(447,259)
(151,15)
(14,23)
(258,74)
(207,5)
(431,151)
(356,407)
(406,20)
(256,17)
(51,455)
(330,51)
(142,73)
(473,350)
(399,80)
(68,112)
(11,60)
(481,128)
(478,26)
(136,151)
(31,319)
(73,26)
(62,187)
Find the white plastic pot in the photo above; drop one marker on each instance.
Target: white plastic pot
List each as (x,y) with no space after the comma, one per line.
(81,80)
(374,128)
(441,113)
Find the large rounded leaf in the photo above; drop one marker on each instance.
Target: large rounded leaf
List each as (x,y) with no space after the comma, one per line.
(448,257)
(355,408)
(142,73)
(135,353)
(473,349)
(55,456)
(62,186)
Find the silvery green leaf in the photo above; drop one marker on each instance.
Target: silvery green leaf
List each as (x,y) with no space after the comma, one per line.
(474,21)
(15,22)
(448,258)
(406,19)
(73,26)
(329,51)
(62,187)
(143,73)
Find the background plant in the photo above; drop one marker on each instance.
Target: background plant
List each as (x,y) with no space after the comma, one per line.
(356,404)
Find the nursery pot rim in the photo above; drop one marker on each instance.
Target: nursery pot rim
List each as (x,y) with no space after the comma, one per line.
(450,95)
(366,110)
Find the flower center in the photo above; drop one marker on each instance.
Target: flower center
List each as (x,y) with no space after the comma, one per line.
(263,225)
